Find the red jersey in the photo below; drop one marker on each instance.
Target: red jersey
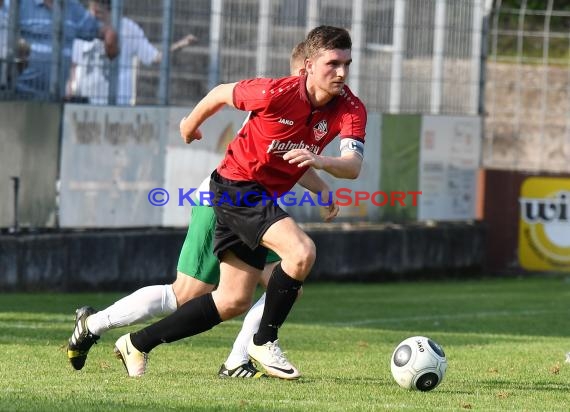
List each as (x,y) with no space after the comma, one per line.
(282,118)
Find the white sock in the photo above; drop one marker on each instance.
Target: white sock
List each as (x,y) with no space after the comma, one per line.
(141,305)
(238,356)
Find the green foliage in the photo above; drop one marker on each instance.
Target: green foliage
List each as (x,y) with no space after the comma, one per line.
(505,341)
(530,45)
(561,5)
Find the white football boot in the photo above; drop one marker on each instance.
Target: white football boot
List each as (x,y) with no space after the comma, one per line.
(273,360)
(133,359)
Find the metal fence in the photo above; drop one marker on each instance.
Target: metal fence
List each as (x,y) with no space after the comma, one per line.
(410,56)
(527,125)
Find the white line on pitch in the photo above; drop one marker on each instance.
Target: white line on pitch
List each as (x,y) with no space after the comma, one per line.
(440,317)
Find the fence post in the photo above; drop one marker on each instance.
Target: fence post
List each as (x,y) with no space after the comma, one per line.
(56,74)
(116,16)
(399,40)
(544,98)
(16,186)
(476,37)
(358,44)
(263,37)
(215,43)
(164,82)
(437,58)
(313,7)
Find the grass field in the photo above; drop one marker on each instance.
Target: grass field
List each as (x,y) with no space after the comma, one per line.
(505,341)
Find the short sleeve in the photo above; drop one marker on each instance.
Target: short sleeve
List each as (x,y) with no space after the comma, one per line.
(88,27)
(142,48)
(76,51)
(253,94)
(354,122)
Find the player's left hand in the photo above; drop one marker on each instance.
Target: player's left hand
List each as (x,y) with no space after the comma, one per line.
(303,157)
(330,211)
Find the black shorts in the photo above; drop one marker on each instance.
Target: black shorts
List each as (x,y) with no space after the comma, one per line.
(244,211)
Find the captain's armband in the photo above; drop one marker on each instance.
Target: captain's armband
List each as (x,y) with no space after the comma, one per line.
(348,145)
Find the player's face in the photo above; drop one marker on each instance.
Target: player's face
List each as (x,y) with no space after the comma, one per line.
(329,70)
(99,11)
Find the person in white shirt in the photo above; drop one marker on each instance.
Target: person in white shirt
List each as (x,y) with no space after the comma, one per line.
(91,68)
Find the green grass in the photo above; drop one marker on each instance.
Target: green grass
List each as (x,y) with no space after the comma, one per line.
(505,342)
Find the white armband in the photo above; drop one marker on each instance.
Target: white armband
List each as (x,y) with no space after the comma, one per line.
(351,145)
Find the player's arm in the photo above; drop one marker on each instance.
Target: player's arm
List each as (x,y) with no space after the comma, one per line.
(345,166)
(71,84)
(187,40)
(217,98)
(110,41)
(313,182)
(176,46)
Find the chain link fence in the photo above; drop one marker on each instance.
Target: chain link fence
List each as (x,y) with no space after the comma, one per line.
(527,94)
(410,56)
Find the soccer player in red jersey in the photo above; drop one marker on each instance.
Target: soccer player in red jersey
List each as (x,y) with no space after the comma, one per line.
(292,120)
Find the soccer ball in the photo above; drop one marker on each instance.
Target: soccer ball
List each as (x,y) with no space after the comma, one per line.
(418,363)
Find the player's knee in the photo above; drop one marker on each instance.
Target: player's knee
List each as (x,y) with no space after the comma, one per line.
(186,288)
(231,308)
(305,254)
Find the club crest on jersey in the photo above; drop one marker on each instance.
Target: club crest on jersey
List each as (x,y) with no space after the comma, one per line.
(320,129)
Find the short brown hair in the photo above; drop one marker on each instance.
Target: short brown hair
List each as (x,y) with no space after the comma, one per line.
(327,38)
(104,3)
(297,56)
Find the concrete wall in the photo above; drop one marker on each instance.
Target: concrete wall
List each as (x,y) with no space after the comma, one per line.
(397,252)
(29,150)
(526,127)
(124,260)
(88,260)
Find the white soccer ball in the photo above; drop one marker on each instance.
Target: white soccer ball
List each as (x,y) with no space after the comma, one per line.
(418,363)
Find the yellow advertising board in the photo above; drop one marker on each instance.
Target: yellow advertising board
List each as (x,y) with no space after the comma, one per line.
(544,227)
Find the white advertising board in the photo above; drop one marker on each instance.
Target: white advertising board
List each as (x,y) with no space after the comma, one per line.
(449,160)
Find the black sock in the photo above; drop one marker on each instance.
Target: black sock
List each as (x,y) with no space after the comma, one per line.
(280,295)
(195,316)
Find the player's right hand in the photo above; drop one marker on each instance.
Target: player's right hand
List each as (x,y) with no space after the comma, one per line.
(187,134)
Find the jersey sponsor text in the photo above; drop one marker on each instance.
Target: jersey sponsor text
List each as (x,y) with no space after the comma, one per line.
(280,147)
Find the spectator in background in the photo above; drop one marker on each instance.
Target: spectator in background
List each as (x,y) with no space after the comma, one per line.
(22,51)
(3,40)
(3,31)
(91,67)
(36,28)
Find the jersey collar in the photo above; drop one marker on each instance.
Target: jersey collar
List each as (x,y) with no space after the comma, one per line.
(305,97)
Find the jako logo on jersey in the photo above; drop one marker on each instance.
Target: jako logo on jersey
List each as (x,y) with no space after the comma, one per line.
(320,129)
(279,147)
(286,121)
